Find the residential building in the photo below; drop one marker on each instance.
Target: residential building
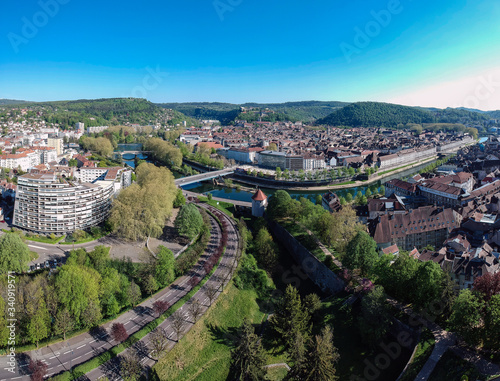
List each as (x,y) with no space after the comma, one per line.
(47,203)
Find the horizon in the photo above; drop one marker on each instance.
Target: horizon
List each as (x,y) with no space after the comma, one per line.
(398,51)
(247,102)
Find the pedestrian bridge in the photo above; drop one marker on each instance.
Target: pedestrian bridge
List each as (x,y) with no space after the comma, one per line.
(203,177)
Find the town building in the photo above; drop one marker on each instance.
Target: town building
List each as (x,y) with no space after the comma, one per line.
(47,203)
(427,225)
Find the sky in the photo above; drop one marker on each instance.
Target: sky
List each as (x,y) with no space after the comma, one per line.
(414,52)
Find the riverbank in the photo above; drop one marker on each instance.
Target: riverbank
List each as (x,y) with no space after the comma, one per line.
(350,184)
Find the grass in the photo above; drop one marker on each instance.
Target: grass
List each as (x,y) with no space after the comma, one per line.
(303,237)
(84,240)
(225,207)
(452,368)
(204,353)
(45,239)
(422,354)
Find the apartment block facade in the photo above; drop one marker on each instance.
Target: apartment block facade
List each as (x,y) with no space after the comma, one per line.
(46,203)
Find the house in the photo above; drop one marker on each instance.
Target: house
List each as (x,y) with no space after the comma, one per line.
(259,203)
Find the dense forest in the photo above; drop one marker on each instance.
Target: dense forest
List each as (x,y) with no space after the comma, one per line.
(100,112)
(307,111)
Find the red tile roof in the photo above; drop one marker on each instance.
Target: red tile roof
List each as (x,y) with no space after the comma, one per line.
(259,196)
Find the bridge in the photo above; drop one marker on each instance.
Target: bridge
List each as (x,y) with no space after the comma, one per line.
(131,152)
(203,176)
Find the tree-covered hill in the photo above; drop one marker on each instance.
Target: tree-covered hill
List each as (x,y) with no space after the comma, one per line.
(369,114)
(112,111)
(306,111)
(4,102)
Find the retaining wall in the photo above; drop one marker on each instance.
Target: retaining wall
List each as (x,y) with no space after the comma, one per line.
(316,270)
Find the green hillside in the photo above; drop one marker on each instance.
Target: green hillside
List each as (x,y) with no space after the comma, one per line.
(369,114)
(112,111)
(307,111)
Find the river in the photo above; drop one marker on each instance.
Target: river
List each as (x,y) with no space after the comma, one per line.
(234,194)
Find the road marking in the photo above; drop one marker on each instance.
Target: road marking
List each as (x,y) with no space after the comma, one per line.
(38,247)
(92,341)
(53,357)
(66,352)
(81,346)
(76,358)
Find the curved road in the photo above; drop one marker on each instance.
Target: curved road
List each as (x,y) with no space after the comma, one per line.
(221,275)
(64,355)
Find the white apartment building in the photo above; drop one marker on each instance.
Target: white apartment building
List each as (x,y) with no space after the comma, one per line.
(57,143)
(17,160)
(47,203)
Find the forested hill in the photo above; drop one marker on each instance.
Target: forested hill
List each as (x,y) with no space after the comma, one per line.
(306,111)
(110,111)
(367,114)
(11,102)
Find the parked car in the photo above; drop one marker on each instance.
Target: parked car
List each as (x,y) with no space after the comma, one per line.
(38,266)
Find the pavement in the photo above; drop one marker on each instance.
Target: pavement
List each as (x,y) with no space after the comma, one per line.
(66,354)
(219,278)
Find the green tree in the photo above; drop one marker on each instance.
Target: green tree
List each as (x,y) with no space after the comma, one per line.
(179,199)
(63,323)
(150,284)
(278,173)
(322,358)
(14,253)
(290,318)
(279,205)
(361,253)
(466,316)
(134,294)
(189,221)
(248,358)
(375,318)
(348,197)
(266,251)
(142,209)
(77,287)
(112,306)
(4,331)
(165,265)
(38,327)
(492,322)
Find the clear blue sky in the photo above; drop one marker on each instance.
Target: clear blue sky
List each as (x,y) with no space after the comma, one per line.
(255,50)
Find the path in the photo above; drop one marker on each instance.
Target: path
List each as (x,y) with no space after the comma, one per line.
(63,355)
(444,340)
(220,277)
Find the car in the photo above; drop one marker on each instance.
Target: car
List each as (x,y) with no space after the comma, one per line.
(32,268)
(2,221)
(38,267)
(47,263)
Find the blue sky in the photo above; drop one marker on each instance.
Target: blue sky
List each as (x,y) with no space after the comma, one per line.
(429,53)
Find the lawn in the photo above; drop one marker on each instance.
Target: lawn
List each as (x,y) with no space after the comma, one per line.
(452,368)
(204,353)
(225,207)
(424,350)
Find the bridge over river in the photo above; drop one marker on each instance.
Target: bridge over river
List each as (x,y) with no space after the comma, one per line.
(183,181)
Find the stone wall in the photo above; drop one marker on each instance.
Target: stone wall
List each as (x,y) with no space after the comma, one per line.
(316,270)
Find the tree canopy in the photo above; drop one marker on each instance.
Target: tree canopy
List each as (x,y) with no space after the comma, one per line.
(189,221)
(142,209)
(14,253)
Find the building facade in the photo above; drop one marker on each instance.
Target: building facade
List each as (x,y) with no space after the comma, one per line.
(47,203)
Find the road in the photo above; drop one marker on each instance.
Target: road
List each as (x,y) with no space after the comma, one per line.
(221,276)
(62,356)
